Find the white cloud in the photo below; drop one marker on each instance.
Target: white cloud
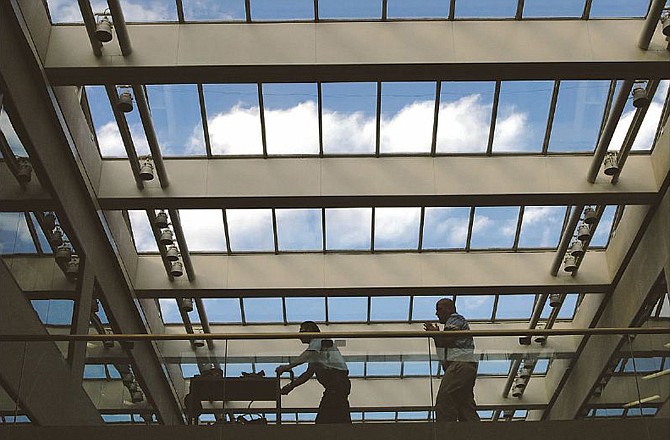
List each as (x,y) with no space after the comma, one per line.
(250,229)
(293,130)
(14,233)
(397,225)
(409,130)
(67,11)
(11,136)
(142,233)
(469,303)
(535,214)
(111,144)
(203,229)
(512,133)
(348,228)
(236,132)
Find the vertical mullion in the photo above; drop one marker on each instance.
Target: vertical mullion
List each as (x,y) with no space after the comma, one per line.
(205,124)
(494,116)
(319,100)
(283,309)
(316,11)
(225,230)
(379,119)
(369,309)
(274,230)
(421,226)
(385,7)
(566,217)
(438,91)
(323,228)
(180,11)
(325,298)
(587,10)
(452,9)
(242,314)
(519,10)
(470,222)
(372,231)
(247,10)
(519,221)
(261,110)
(33,232)
(495,308)
(550,119)
(411,308)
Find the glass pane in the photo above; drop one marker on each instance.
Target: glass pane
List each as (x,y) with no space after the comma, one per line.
(291,118)
(515,306)
(63,11)
(349,112)
(485,8)
(383,368)
(541,226)
(522,115)
(541,366)
(497,367)
(348,228)
(445,228)
(397,228)
(645,137)
(340,9)
(250,229)
(408,111)
(220,10)
(418,9)
(299,229)
(475,307)
(175,111)
(464,118)
(170,312)
(40,235)
(282,10)
(347,309)
(579,113)
(203,229)
(15,236)
(602,234)
(624,122)
(423,308)
(263,310)
(142,233)
(619,8)
(305,309)
(223,310)
(389,308)
(147,10)
(233,119)
(494,227)
(10,135)
(54,311)
(543,8)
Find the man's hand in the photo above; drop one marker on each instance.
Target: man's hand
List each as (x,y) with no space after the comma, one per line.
(287,389)
(431,327)
(282,369)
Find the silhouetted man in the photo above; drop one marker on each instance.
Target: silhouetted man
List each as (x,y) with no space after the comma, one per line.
(455,398)
(326,361)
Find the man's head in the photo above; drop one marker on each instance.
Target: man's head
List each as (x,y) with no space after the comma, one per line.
(444,308)
(308,327)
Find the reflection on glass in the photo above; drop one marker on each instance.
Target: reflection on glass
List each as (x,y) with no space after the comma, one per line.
(383,368)
(142,233)
(233,119)
(445,228)
(407,113)
(397,228)
(44,243)
(602,234)
(54,311)
(645,137)
(494,227)
(521,121)
(389,308)
(579,112)
(352,9)
(347,309)
(175,111)
(15,236)
(541,226)
(11,137)
(348,228)
(349,112)
(291,118)
(464,117)
(282,10)
(210,10)
(299,229)
(203,229)
(250,229)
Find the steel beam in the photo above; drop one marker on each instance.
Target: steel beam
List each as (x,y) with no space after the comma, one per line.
(409,51)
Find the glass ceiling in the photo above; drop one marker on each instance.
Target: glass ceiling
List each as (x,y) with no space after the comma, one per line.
(140,11)
(341,119)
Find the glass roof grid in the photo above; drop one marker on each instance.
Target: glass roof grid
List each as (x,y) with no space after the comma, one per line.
(347,309)
(214,10)
(464,116)
(522,116)
(263,310)
(544,9)
(299,229)
(250,230)
(234,119)
(541,227)
(142,232)
(305,309)
(396,228)
(349,117)
(177,119)
(644,141)
(407,116)
(15,237)
(418,9)
(579,115)
(348,228)
(44,243)
(485,9)
(350,9)
(619,9)
(515,307)
(54,311)
(475,307)
(389,308)
(603,232)
(494,227)
(223,310)
(282,10)
(7,129)
(203,230)
(291,118)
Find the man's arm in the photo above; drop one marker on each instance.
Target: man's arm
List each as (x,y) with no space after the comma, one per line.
(306,356)
(304,377)
(441,341)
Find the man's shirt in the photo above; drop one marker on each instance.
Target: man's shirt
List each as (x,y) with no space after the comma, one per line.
(327,357)
(460,349)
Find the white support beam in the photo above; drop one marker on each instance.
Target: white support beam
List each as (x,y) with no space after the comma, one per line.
(370,181)
(341,275)
(360,51)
